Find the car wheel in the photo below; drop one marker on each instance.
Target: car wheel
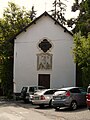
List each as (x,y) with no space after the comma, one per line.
(26,101)
(57,108)
(41,106)
(73,105)
(50,103)
(89,108)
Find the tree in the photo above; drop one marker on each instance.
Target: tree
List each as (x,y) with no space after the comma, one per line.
(14,20)
(59,11)
(82,40)
(32,13)
(6,59)
(82,58)
(82,22)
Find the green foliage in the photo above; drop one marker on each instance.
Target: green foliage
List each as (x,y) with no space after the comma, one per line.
(6,76)
(14,20)
(82,56)
(82,41)
(59,11)
(82,22)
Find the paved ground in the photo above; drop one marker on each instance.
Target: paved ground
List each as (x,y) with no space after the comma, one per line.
(20,111)
(14,111)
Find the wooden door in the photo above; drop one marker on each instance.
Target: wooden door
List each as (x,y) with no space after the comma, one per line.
(44,80)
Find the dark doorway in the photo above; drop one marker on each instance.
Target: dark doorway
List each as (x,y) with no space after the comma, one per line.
(44,80)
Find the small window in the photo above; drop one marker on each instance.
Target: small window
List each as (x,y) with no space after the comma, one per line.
(45,45)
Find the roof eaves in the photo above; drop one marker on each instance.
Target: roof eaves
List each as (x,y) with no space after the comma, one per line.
(34,22)
(56,22)
(24,29)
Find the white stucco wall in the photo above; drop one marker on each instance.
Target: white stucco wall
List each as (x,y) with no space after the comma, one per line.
(26,50)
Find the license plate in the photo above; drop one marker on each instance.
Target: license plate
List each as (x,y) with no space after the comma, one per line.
(36,98)
(58,98)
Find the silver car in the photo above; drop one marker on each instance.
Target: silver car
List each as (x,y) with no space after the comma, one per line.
(43,97)
(69,97)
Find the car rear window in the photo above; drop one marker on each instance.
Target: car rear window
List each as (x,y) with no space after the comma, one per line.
(32,89)
(24,89)
(75,90)
(50,92)
(60,92)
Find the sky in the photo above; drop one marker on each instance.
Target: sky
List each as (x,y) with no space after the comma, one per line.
(39,5)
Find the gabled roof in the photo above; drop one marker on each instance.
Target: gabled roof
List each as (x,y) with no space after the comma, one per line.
(34,21)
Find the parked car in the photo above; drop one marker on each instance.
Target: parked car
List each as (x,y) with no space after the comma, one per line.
(28,91)
(69,97)
(88,97)
(43,97)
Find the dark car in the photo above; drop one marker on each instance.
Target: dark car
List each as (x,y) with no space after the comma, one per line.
(88,97)
(28,91)
(69,97)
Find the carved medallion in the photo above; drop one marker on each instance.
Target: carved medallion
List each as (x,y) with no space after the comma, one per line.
(44,61)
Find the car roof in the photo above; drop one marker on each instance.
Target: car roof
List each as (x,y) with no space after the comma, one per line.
(33,86)
(67,88)
(43,91)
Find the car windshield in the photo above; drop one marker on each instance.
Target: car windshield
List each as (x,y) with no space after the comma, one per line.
(88,90)
(83,90)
